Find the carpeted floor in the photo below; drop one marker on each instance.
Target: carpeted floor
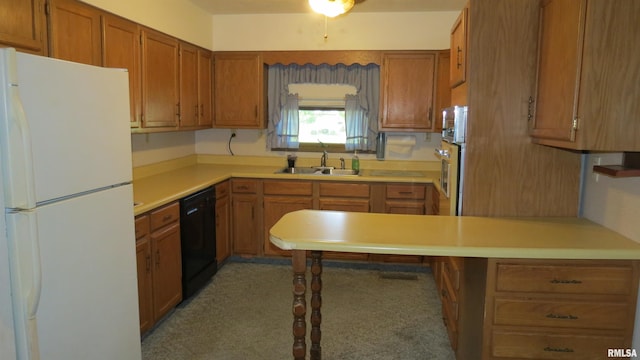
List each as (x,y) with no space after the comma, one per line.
(244,313)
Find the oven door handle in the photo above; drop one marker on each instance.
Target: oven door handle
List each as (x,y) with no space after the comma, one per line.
(442,153)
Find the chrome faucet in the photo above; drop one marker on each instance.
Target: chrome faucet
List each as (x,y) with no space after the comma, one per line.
(323,159)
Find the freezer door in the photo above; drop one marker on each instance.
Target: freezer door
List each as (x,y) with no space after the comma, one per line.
(77,129)
(88,305)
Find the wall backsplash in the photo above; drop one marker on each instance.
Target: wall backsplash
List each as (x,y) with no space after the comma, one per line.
(253,143)
(156,147)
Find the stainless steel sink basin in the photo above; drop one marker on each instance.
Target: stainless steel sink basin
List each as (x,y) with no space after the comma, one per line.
(340,172)
(318,171)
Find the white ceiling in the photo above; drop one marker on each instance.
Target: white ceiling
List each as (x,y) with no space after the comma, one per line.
(227,7)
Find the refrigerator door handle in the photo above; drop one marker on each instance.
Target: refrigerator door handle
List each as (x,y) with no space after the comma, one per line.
(17,157)
(26,279)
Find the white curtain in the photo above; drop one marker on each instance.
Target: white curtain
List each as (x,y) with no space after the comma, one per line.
(361,110)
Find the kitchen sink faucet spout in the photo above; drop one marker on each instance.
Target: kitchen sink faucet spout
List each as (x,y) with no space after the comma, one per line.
(323,159)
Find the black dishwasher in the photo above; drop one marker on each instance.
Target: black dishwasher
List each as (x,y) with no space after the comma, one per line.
(198,239)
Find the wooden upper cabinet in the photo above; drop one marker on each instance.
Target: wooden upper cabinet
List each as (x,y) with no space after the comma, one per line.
(458,60)
(195,87)
(239,91)
(189,107)
(23,25)
(75,32)
(205,87)
(443,90)
(407,89)
(160,85)
(587,89)
(121,49)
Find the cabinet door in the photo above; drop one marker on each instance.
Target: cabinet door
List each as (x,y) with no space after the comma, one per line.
(458,60)
(74,32)
(189,109)
(167,271)
(223,239)
(274,209)
(245,232)
(560,52)
(238,91)
(160,87)
(443,90)
(121,49)
(205,94)
(22,25)
(407,91)
(145,285)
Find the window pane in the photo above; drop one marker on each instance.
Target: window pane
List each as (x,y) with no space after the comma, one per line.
(322,125)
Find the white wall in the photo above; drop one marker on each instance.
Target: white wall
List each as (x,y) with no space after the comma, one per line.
(355,31)
(179,18)
(612,202)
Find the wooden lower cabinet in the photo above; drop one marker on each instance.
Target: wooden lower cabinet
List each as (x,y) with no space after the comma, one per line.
(159,263)
(246,210)
(258,204)
(354,197)
(545,309)
(409,199)
(450,295)
(223,218)
(280,198)
(145,279)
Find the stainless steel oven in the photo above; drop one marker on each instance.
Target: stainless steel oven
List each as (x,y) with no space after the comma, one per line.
(451,154)
(454,124)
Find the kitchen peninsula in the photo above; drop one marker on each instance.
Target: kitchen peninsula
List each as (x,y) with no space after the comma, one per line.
(528,281)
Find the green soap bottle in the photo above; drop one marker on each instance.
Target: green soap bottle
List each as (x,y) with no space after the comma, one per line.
(355,161)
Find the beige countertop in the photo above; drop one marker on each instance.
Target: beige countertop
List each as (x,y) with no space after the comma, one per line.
(539,238)
(167,186)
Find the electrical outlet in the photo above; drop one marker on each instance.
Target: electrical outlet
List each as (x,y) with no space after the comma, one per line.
(595,160)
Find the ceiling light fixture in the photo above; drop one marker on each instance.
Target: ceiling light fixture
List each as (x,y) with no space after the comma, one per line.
(331,8)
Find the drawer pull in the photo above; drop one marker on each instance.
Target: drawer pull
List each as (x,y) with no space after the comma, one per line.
(564,317)
(556,281)
(166,218)
(561,350)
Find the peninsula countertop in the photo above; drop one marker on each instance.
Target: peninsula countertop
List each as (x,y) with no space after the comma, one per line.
(465,236)
(167,186)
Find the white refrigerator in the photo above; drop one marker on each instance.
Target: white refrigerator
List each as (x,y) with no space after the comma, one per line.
(67,245)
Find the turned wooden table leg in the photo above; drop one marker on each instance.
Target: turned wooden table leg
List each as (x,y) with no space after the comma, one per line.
(299,304)
(316,303)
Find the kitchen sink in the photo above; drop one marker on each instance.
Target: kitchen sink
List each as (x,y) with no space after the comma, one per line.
(318,170)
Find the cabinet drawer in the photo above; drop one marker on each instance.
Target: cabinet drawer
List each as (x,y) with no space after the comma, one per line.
(402,191)
(165,215)
(222,190)
(562,314)
(565,279)
(449,298)
(142,226)
(244,186)
(523,345)
(288,188)
(451,270)
(344,190)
